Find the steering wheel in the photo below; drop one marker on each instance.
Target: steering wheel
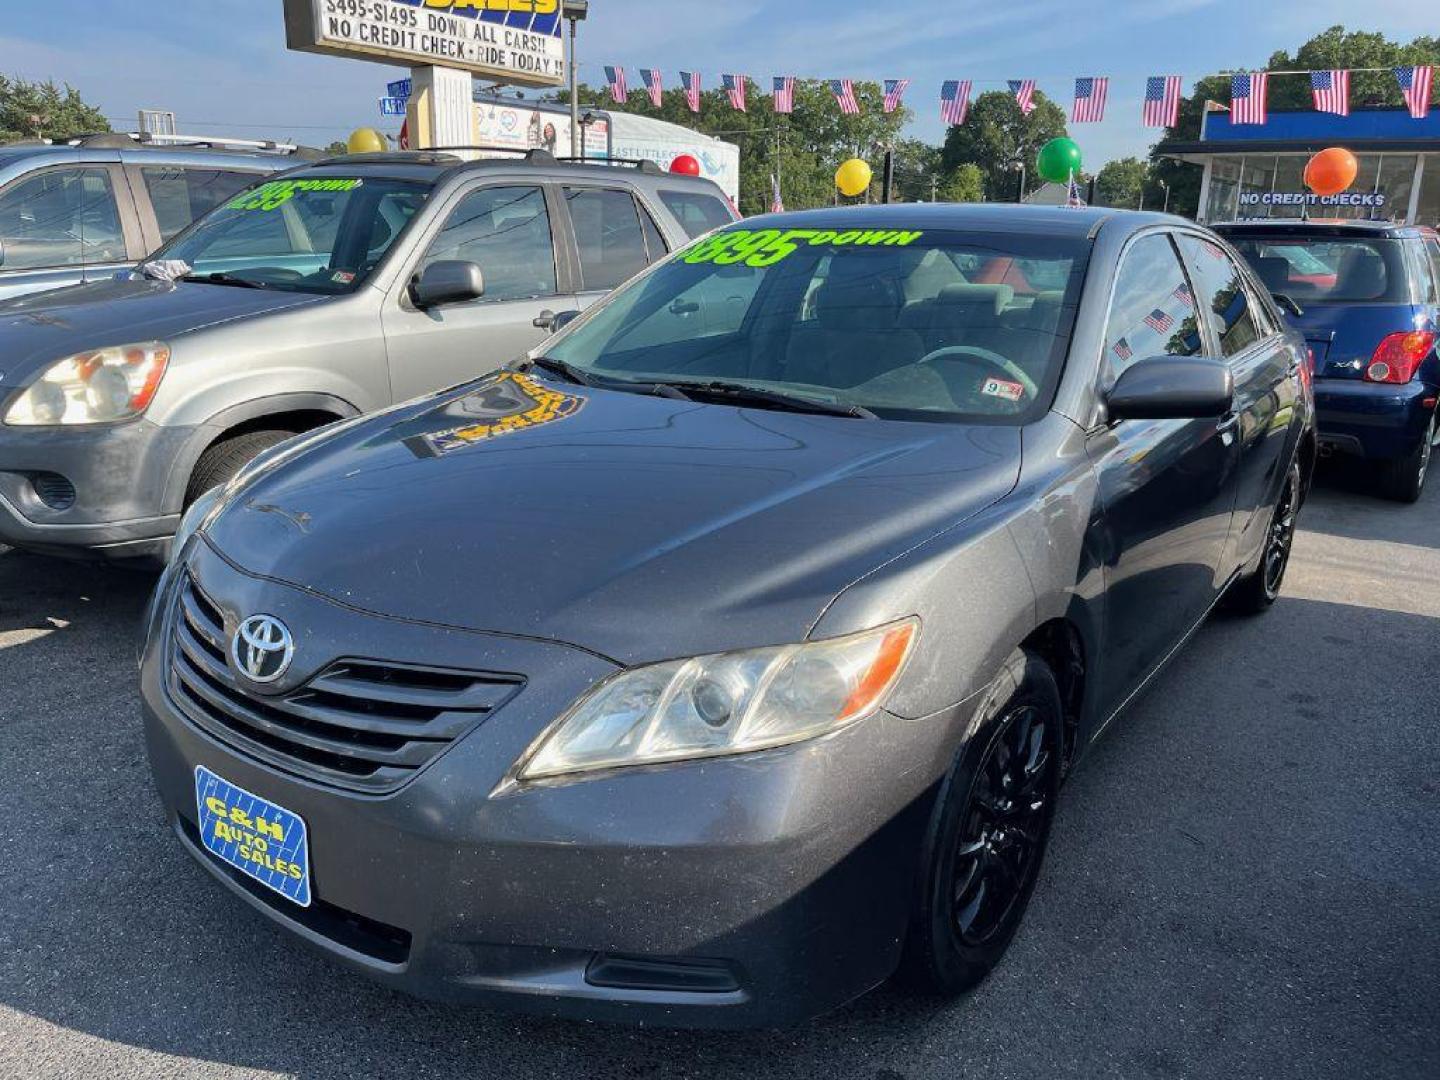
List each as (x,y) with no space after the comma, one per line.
(984,358)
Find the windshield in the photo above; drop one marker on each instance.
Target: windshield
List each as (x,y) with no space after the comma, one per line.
(319,234)
(918,325)
(1323,269)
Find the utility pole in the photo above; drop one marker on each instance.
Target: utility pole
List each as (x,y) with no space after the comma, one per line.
(574,12)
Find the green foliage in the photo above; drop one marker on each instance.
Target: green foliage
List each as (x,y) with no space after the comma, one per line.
(1335,48)
(31,110)
(1120,183)
(997,136)
(806,147)
(338,147)
(964,183)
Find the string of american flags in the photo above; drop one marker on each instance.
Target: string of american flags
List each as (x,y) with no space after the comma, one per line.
(1160,108)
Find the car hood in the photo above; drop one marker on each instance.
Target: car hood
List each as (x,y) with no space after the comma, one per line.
(637,527)
(44,327)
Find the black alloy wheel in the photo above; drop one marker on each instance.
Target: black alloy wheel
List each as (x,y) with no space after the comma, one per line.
(988,833)
(1255,593)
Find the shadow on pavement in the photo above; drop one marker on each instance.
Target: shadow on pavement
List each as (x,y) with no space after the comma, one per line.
(1243,882)
(1345,501)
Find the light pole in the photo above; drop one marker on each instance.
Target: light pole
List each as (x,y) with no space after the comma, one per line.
(1166,188)
(574,12)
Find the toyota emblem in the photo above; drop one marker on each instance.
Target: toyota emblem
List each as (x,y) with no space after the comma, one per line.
(263,648)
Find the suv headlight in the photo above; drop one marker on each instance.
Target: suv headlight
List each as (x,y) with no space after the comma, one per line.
(730,703)
(94,387)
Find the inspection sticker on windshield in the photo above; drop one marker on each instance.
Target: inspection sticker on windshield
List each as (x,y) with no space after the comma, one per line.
(276,193)
(766,247)
(260,839)
(1010,391)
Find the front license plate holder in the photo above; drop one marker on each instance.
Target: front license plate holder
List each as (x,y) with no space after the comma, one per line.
(261,839)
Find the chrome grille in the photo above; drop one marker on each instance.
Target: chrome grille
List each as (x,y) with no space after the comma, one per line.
(366,725)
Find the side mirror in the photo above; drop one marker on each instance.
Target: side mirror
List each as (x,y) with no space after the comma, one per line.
(555,321)
(449,281)
(1288,302)
(1172,388)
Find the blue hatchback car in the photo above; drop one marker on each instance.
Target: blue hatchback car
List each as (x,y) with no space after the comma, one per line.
(1366,295)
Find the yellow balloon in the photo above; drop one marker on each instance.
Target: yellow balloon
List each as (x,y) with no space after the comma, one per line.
(366,141)
(853,178)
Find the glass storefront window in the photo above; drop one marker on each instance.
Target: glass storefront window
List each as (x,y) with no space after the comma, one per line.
(1271,186)
(1428,210)
(1257,180)
(1397,178)
(1224,190)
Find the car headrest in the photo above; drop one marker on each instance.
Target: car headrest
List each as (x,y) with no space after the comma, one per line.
(1273,271)
(995,298)
(860,303)
(1361,275)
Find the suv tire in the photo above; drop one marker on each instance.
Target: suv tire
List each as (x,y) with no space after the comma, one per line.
(1403,479)
(219,464)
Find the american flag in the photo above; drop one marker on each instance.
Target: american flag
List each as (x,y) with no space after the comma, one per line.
(1247,98)
(1024,91)
(895,93)
(1415,87)
(1162,101)
(735,87)
(1331,90)
(784,93)
(651,77)
(777,204)
(690,80)
(1184,295)
(954,101)
(1123,350)
(1158,321)
(844,91)
(1090,94)
(615,76)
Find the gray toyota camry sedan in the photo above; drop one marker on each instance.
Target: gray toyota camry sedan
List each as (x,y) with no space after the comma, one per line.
(724,657)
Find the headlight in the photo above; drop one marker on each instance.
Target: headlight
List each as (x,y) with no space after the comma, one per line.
(731,703)
(199,512)
(94,387)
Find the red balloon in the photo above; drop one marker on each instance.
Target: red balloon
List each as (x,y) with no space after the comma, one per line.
(685,165)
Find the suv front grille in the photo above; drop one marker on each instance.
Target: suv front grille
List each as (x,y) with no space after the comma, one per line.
(365,725)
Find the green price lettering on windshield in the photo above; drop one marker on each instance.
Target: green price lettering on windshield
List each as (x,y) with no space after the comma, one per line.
(766,247)
(277,193)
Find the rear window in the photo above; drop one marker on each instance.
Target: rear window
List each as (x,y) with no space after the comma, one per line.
(697,212)
(1323,268)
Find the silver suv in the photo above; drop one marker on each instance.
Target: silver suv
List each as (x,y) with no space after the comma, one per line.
(320,294)
(73,212)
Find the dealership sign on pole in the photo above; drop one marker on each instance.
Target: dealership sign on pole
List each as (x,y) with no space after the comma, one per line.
(510,41)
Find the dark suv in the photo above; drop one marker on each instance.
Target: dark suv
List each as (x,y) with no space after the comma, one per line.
(1366,295)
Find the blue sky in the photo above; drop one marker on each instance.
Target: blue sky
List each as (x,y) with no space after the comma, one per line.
(222,64)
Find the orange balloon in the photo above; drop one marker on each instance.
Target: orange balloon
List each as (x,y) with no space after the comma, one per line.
(1331,171)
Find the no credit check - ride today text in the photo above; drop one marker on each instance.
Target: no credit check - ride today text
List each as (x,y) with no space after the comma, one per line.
(391,27)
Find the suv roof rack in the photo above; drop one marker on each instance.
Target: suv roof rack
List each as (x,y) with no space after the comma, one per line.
(645,165)
(392,157)
(540,157)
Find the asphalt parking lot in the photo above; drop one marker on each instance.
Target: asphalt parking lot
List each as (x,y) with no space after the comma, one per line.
(1244,882)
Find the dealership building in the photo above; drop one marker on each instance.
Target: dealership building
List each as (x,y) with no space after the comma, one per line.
(1255,171)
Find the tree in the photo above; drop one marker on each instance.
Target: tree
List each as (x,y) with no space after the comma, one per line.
(30,110)
(1121,183)
(964,183)
(997,137)
(337,148)
(805,147)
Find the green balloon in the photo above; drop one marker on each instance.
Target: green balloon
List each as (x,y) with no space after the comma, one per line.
(1059,159)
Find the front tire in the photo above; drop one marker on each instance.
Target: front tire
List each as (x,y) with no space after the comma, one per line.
(989,833)
(219,464)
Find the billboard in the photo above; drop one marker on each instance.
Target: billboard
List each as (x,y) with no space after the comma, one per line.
(525,125)
(511,41)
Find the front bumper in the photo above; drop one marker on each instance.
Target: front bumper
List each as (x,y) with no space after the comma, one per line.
(120,480)
(751,891)
(1372,420)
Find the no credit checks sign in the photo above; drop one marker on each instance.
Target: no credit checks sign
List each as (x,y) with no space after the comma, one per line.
(513,41)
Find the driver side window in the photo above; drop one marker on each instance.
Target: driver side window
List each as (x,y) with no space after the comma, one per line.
(1153,312)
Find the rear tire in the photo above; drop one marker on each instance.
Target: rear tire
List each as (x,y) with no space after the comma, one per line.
(1403,479)
(988,834)
(219,464)
(1257,592)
